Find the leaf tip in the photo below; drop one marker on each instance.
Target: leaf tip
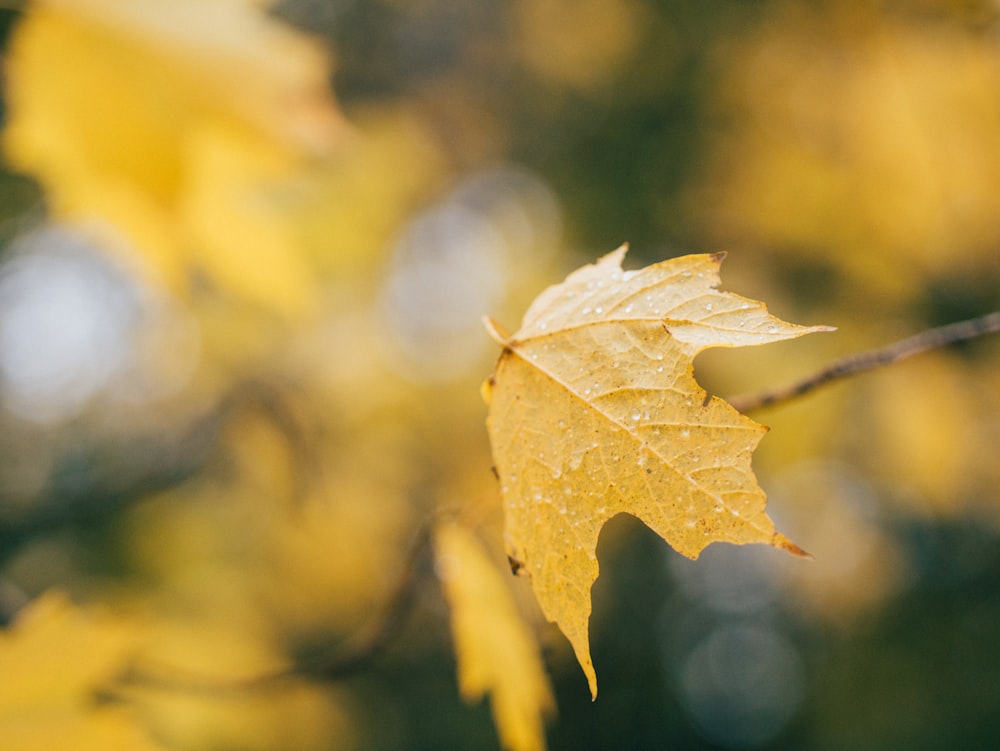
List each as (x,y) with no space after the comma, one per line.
(718,257)
(783,543)
(592,682)
(615,257)
(496,331)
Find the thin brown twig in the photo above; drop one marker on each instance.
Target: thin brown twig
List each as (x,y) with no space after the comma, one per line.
(862,361)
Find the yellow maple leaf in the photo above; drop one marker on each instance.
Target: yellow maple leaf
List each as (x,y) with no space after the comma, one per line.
(494,648)
(595,411)
(183,126)
(55,657)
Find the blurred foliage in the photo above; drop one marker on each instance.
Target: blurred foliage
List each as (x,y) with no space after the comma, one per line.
(52,657)
(245,254)
(495,652)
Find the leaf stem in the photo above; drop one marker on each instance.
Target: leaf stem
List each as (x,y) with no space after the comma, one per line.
(869,360)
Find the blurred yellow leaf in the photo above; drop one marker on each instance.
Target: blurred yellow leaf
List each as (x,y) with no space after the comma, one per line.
(217,656)
(494,648)
(594,411)
(891,176)
(179,124)
(54,658)
(580,43)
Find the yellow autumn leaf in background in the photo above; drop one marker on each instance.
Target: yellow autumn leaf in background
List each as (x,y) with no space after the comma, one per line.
(496,652)
(55,658)
(176,124)
(594,411)
(907,124)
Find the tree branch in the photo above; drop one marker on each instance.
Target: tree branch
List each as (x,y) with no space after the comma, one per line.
(360,650)
(875,358)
